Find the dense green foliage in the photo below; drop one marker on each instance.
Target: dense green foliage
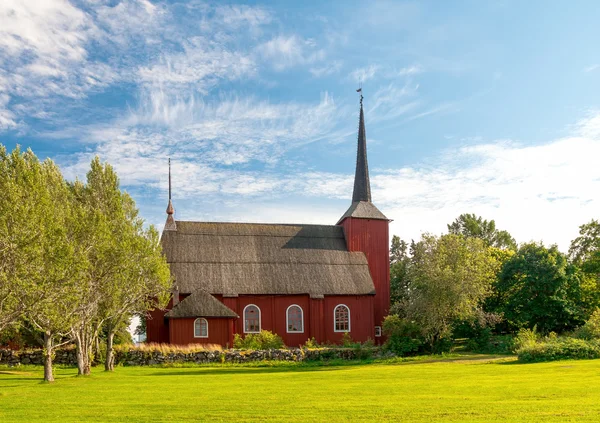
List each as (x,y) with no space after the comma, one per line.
(585,249)
(538,287)
(591,328)
(404,337)
(525,287)
(75,258)
(583,343)
(559,348)
(448,278)
(399,276)
(457,390)
(472,226)
(265,340)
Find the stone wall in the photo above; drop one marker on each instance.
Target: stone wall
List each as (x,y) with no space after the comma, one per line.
(145,357)
(14,358)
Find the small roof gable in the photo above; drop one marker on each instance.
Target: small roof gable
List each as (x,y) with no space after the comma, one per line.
(200,304)
(363,210)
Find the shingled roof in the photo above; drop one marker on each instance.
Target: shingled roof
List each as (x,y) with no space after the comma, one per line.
(244,258)
(201,304)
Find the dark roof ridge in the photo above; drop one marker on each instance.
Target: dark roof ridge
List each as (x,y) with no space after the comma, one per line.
(258,223)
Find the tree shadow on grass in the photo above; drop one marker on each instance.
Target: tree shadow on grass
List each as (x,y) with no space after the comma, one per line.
(198,371)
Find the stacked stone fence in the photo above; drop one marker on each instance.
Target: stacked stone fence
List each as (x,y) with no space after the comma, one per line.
(14,358)
(145,357)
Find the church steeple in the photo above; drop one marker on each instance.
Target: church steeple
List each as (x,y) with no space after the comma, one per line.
(362,207)
(170,225)
(362,185)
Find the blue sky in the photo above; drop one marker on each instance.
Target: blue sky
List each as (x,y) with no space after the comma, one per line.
(484,107)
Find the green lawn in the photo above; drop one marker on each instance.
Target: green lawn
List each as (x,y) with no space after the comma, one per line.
(456,390)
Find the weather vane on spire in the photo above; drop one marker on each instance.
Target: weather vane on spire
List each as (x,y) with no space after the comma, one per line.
(359,90)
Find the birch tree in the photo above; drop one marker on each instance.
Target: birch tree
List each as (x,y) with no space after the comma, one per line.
(39,262)
(127,271)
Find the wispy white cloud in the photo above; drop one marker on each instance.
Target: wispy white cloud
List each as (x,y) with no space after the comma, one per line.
(6,116)
(591,68)
(283,52)
(208,137)
(329,69)
(202,63)
(364,74)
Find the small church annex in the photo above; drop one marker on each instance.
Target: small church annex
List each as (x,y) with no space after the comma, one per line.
(298,281)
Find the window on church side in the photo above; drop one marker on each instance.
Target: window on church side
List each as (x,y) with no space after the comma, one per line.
(201,328)
(295,319)
(251,319)
(341,318)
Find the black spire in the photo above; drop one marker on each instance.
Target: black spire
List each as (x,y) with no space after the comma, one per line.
(362,186)
(362,207)
(170,225)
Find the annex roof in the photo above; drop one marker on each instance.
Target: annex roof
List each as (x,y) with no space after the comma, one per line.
(200,304)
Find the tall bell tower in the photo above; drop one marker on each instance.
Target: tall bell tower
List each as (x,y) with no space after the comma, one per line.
(367,229)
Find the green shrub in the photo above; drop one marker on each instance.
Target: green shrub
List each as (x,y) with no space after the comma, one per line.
(525,338)
(311,344)
(554,348)
(265,340)
(403,336)
(591,328)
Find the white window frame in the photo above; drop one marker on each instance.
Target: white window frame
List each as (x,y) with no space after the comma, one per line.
(201,336)
(378,331)
(259,318)
(349,321)
(287,319)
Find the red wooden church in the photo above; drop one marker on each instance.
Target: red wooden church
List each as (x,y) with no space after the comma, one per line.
(299,281)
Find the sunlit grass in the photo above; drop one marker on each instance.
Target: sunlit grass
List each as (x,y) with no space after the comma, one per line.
(455,389)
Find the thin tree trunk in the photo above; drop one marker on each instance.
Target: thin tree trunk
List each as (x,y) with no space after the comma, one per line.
(83,353)
(109,364)
(48,376)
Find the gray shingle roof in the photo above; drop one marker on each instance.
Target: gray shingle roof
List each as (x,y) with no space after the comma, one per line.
(246,258)
(200,304)
(363,210)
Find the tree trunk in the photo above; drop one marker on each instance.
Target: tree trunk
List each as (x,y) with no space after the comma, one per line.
(48,376)
(109,364)
(83,354)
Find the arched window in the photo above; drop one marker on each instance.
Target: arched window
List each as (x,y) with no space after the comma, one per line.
(251,319)
(341,318)
(201,328)
(294,319)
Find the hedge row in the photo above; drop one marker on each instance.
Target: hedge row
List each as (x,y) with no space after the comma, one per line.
(559,349)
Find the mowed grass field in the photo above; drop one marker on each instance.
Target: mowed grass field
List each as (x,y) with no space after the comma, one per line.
(472,389)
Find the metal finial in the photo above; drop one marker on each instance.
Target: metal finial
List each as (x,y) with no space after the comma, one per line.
(170,209)
(169,178)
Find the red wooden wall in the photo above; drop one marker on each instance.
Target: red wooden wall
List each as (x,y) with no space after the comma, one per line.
(318,320)
(220,331)
(372,238)
(157,329)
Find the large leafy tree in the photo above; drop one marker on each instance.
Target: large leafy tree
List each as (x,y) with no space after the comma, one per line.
(13,215)
(42,265)
(450,277)
(73,256)
(128,273)
(399,273)
(474,226)
(538,287)
(585,249)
